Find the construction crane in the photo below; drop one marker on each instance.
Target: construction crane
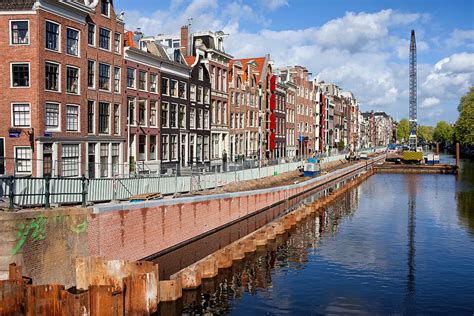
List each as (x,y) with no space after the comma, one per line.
(412,100)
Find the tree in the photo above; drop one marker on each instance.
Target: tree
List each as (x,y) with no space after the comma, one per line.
(425,133)
(464,128)
(403,130)
(443,132)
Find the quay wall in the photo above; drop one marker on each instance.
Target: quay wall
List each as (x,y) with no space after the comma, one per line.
(46,242)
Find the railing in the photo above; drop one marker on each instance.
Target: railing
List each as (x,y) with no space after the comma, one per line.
(45,192)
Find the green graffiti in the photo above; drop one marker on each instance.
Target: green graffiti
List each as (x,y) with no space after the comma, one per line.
(35,229)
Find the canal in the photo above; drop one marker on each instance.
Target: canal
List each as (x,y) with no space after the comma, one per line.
(395,244)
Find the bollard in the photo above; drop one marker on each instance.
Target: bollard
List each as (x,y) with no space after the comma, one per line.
(458,156)
(190,277)
(170,290)
(437,148)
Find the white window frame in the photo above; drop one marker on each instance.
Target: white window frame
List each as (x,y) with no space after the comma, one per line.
(146,80)
(167,116)
(59,76)
(119,118)
(119,52)
(156,112)
(156,82)
(78,118)
(11,75)
(11,33)
(12,105)
(78,42)
(108,9)
(94,118)
(95,74)
(120,79)
(168,91)
(110,77)
(134,78)
(78,80)
(15,159)
(49,129)
(110,39)
(167,158)
(177,88)
(59,37)
(79,160)
(95,35)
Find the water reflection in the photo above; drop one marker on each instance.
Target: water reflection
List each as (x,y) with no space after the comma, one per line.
(411,182)
(465,194)
(287,254)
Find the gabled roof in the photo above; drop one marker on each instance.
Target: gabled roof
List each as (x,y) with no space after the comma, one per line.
(261,63)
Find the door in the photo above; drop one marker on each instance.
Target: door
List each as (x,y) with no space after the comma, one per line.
(47,160)
(184,152)
(91,159)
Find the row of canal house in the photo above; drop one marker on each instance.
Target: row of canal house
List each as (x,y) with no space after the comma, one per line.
(86,98)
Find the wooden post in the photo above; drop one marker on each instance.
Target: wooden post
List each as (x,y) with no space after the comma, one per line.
(437,148)
(458,155)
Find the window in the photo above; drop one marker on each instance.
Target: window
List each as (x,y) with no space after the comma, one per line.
(21,115)
(174,88)
(104,77)
(173,114)
(142,112)
(130,78)
(52,36)
(51,76)
(199,119)
(23,159)
(153,83)
(199,94)
(72,80)
(182,90)
(224,117)
(164,114)
(104,7)
(131,111)
(116,119)
(174,147)
(117,74)
(104,38)
(165,86)
(70,160)
(19,32)
(20,75)
(206,95)
(193,92)
(91,73)
(153,120)
(206,147)
(142,80)
(165,147)
(206,119)
(117,43)
(72,118)
(201,73)
(192,118)
(90,116)
(141,147)
(115,158)
(104,160)
(182,116)
(72,42)
(91,34)
(52,116)
(152,147)
(103,117)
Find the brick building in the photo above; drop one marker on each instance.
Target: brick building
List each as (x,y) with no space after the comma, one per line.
(62,91)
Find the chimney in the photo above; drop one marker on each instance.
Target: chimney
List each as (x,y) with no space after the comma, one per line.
(185,40)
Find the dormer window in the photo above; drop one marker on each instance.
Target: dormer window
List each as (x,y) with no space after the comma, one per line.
(201,73)
(105,7)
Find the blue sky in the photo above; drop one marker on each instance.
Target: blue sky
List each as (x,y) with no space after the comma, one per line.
(362,46)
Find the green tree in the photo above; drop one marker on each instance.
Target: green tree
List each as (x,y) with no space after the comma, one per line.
(443,132)
(425,133)
(464,128)
(403,130)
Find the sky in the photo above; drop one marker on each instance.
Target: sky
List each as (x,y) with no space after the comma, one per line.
(362,46)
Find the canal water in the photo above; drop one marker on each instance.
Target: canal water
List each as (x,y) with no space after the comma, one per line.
(399,244)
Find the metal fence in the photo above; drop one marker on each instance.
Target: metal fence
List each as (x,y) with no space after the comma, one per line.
(31,192)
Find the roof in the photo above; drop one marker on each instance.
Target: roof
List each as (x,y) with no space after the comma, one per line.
(261,62)
(10,5)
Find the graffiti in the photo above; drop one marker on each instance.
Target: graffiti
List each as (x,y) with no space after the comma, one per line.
(35,229)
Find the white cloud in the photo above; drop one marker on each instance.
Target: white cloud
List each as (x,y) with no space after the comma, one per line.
(461,37)
(430,102)
(361,52)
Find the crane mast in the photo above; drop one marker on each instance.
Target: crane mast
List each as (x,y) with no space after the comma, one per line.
(412,98)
